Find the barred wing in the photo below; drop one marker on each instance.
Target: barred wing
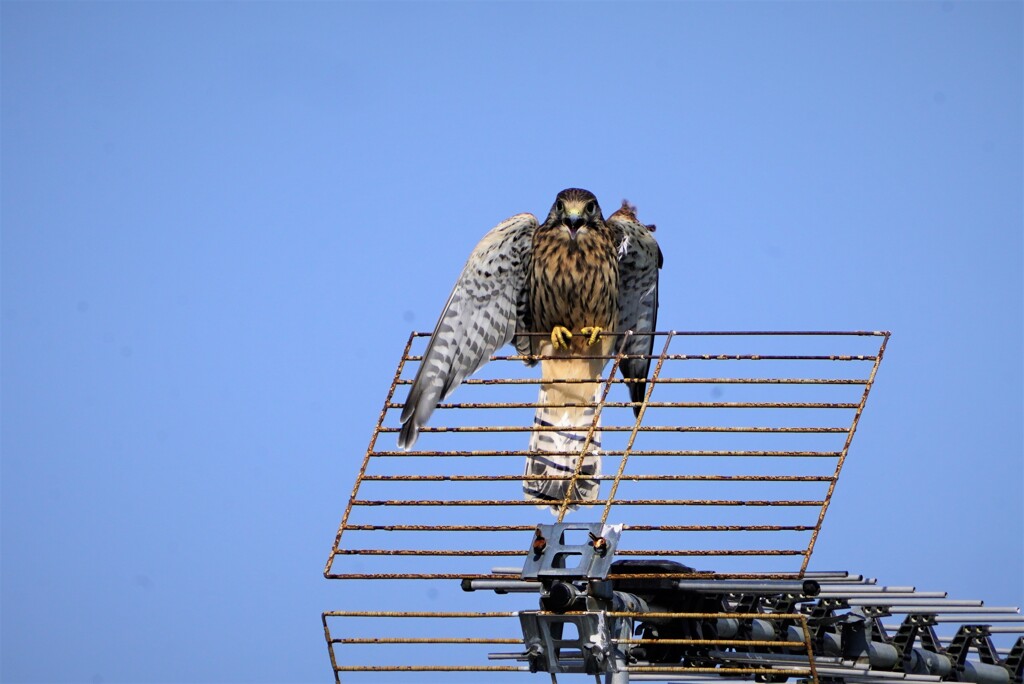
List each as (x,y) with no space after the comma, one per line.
(483,313)
(639,261)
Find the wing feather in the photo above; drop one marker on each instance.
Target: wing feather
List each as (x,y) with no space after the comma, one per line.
(640,258)
(481,315)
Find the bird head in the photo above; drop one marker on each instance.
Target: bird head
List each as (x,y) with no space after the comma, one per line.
(576,210)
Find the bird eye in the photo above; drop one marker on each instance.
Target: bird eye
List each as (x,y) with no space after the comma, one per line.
(589,208)
(560,206)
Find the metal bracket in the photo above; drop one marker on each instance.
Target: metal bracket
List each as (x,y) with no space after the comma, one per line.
(552,557)
(548,648)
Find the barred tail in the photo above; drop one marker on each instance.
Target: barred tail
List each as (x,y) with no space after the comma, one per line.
(558,445)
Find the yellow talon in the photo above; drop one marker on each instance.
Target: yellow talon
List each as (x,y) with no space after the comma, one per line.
(594,332)
(560,337)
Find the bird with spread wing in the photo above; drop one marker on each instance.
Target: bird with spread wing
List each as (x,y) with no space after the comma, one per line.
(584,282)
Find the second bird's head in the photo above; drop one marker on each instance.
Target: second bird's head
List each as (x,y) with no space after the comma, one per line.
(575,210)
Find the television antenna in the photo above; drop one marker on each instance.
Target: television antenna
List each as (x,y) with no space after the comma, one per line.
(731,464)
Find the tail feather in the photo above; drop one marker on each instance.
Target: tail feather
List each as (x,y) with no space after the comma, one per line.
(554,455)
(566,412)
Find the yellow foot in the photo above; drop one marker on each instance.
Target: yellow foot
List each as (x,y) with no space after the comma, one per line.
(594,335)
(560,337)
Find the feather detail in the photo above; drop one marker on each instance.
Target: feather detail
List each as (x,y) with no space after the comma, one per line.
(576,270)
(638,296)
(480,317)
(566,415)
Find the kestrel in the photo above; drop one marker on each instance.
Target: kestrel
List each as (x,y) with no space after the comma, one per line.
(582,281)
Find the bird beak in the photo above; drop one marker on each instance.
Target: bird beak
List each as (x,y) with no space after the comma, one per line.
(573,221)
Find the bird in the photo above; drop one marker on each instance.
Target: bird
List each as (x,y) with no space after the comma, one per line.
(590,286)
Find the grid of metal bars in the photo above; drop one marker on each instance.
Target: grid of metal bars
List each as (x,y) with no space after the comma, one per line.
(729,467)
(438,620)
(684,465)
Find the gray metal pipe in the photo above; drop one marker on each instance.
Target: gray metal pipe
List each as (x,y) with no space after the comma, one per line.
(727,628)
(862,674)
(1006,629)
(980,616)
(926,662)
(506,571)
(780,659)
(866,588)
(994,629)
(832,575)
(878,654)
(833,644)
(983,673)
(943,604)
(883,594)
(621,673)
(984,613)
(805,587)
(838,578)
(681,678)
(501,586)
(760,630)
(882,656)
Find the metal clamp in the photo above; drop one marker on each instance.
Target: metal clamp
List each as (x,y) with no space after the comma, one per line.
(549,649)
(550,556)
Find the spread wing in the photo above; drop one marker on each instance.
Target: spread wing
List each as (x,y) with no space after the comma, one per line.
(639,261)
(485,310)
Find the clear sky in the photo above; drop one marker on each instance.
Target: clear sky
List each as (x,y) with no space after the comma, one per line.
(221,220)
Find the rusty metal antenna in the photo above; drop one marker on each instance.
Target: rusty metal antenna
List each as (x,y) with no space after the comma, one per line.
(729,464)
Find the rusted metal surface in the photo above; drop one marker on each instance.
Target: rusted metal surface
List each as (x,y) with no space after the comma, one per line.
(530,528)
(610,452)
(369,452)
(620,552)
(655,377)
(656,575)
(431,668)
(662,419)
(842,456)
(708,642)
(418,614)
(670,381)
(732,462)
(429,640)
(443,617)
(705,616)
(635,478)
(626,428)
(650,404)
(584,502)
(797,672)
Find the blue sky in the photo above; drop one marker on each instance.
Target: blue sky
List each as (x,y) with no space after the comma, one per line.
(221,220)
